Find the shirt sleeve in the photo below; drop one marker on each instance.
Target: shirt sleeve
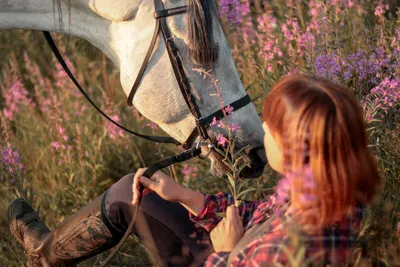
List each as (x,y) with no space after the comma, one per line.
(217,259)
(208,218)
(264,252)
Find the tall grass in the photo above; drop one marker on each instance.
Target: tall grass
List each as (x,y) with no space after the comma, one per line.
(59,153)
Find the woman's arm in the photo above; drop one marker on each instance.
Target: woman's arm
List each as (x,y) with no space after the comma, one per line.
(169,190)
(203,208)
(193,201)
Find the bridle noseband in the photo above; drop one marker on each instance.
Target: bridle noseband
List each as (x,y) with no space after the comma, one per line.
(202,123)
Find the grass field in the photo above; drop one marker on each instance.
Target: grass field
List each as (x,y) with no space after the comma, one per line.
(59,153)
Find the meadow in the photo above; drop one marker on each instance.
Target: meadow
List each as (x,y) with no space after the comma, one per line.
(59,153)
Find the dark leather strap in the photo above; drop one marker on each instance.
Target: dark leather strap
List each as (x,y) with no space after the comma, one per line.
(170,12)
(53,46)
(183,81)
(219,114)
(144,65)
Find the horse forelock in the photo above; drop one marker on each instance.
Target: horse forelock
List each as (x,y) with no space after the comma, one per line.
(201,16)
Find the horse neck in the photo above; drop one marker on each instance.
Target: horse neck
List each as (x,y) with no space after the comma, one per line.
(122,39)
(59,16)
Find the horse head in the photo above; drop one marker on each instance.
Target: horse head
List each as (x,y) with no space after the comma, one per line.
(123,30)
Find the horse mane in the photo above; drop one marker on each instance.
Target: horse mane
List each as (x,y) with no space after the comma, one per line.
(202,46)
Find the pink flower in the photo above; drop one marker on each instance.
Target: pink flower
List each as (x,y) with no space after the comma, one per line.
(221,140)
(214,121)
(234,127)
(55,145)
(283,190)
(114,131)
(381,9)
(228,109)
(189,172)
(15,96)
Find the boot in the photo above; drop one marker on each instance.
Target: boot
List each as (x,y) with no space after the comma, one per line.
(83,235)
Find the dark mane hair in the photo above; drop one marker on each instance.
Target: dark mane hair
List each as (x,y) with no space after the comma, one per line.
(202,46)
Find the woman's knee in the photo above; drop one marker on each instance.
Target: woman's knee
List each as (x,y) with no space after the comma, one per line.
(121,191)
(118,203)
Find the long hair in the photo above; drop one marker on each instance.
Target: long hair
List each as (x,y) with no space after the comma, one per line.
(201,16)
(321,128)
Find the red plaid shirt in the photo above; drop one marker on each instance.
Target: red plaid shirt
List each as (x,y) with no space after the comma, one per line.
(331,247)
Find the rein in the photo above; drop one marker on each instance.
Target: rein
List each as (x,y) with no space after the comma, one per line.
(202,123)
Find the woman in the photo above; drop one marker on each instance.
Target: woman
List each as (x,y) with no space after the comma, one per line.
(314,136)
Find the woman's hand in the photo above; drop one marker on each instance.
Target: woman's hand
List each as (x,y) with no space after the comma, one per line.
(228,232)
(160,183)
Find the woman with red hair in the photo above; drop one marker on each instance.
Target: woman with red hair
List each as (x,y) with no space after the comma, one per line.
(314,136)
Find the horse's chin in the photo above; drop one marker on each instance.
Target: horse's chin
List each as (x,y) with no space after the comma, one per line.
(218,167)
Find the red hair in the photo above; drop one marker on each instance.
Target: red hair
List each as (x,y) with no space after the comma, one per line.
(321,126)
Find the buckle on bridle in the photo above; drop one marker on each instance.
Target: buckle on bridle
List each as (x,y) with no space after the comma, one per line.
(209,145)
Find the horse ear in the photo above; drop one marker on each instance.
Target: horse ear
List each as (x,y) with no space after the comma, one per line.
(201,16)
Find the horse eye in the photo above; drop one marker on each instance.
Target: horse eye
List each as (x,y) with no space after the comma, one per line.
(215,52)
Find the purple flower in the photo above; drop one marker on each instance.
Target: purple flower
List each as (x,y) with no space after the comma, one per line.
(231,10)
(367,67)
(11,160)
(327,66)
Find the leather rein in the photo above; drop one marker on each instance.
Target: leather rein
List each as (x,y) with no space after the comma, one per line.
(202,123)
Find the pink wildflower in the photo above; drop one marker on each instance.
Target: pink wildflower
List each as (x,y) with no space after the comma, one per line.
(55,145)
(113,131)
(221,140)
(234,127)
(189,172)
(228,109)
(14,97)
(214,121)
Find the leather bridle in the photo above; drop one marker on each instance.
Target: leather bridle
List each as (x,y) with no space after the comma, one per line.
(202,123)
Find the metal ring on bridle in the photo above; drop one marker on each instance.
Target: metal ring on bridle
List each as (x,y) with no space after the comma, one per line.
(210,147)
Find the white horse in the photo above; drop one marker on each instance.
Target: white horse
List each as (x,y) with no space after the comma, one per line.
(122,30)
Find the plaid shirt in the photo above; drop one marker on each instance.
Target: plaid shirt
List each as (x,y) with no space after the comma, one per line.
(333,246)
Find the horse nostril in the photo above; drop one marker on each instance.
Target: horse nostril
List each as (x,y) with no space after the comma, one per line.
(258,160)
